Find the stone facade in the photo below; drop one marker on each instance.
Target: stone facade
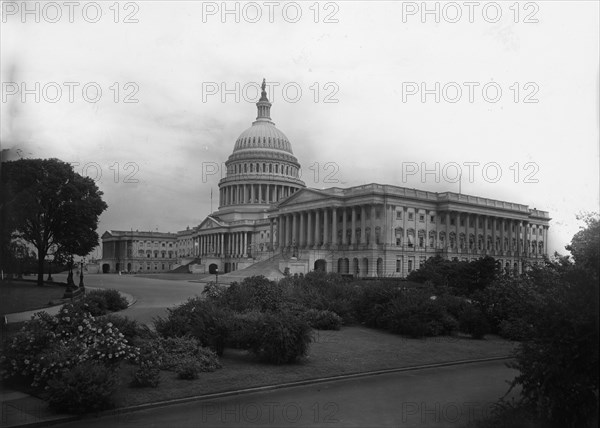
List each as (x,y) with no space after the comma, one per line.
(265,211)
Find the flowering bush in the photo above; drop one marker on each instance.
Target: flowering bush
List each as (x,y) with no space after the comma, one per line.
(48,346)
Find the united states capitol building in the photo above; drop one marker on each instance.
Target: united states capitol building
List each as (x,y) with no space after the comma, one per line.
(269,222)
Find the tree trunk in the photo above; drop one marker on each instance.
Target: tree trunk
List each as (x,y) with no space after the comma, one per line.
(40,278)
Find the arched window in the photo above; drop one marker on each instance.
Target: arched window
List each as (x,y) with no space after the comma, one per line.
(421,236)
(461,241)
(432,239)
(452,239)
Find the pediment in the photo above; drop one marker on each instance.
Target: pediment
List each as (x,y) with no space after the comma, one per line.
(305,196)
(209,223)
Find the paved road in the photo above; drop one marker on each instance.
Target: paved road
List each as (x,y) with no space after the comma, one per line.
(153,295)
(440,397)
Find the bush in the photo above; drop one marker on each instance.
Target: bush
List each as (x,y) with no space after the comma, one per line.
(101,302)
(323,320)
(516,329)
(174,350)
(202,319)
(146,374)
(130,328)
(254,293)
(472,321)
(48,345)
(87,387)
(280,338)
(214,292)
(188,368)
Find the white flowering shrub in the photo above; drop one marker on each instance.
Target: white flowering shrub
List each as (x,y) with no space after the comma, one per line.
(49,346)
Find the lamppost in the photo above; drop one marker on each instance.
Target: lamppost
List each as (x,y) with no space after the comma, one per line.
(51,253)
(217,275)
(82,262)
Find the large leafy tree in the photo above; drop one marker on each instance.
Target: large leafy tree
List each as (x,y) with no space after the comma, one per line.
(46,203)
(585,245)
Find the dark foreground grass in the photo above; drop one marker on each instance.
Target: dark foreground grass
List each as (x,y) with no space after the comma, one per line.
(350,350)
(19,296)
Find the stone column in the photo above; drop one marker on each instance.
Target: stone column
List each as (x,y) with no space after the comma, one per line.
(295,229)
(363,225)
(271,232)
(334,234)
(372,221)
(325,227)
(302,237)
(317,229)
(245,249)
(309,229)
(353,224)
(288,230)
(344,227)
(222,244)
(281,236)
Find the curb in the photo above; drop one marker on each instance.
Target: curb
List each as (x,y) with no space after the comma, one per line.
(265,388)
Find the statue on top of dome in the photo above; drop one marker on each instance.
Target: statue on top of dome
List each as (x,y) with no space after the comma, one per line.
(264,85)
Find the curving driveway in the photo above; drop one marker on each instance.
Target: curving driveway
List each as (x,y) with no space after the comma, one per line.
(152,295)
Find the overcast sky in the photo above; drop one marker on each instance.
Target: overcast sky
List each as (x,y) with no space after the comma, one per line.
(361,116)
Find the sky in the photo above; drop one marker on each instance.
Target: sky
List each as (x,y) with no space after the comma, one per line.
(148,98)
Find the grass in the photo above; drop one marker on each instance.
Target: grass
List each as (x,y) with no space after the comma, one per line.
(350,350)
(18,296)
(175,276)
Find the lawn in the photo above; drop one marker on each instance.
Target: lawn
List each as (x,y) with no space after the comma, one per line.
(18,296)
(351,350)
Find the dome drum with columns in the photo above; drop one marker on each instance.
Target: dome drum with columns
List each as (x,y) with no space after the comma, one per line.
(270,223)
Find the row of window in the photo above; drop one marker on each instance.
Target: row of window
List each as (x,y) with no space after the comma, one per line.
(267,142)
(263,168)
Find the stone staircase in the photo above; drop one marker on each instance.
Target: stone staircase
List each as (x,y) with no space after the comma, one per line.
(268,268)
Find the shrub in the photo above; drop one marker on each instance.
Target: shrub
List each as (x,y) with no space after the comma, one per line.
(254,293)
(516,329)
(242,328)
(130,328)
(146,374)
(174,350)
(189,368)
(89,386)
(100,302)
(280,338)
(323,320)
(214,292)
(202,319)
(472,321)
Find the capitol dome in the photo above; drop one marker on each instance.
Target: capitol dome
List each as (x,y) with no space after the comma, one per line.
(262,168)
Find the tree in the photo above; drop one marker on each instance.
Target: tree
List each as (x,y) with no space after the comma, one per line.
(46,203)
(585,245)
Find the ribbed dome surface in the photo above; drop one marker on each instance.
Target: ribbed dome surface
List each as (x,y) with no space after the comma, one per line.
(265,135)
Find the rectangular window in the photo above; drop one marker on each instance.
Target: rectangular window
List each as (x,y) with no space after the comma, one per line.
(410,265)
(432,219)
(462,221)
(398,265)
(422,218)
(410,216)
(398,214)
(452,221)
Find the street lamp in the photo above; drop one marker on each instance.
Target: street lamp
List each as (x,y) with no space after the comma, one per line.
(51,253)
(217,275)
(81,272)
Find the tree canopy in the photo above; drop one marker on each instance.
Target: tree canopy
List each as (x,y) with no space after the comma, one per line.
(46,203)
